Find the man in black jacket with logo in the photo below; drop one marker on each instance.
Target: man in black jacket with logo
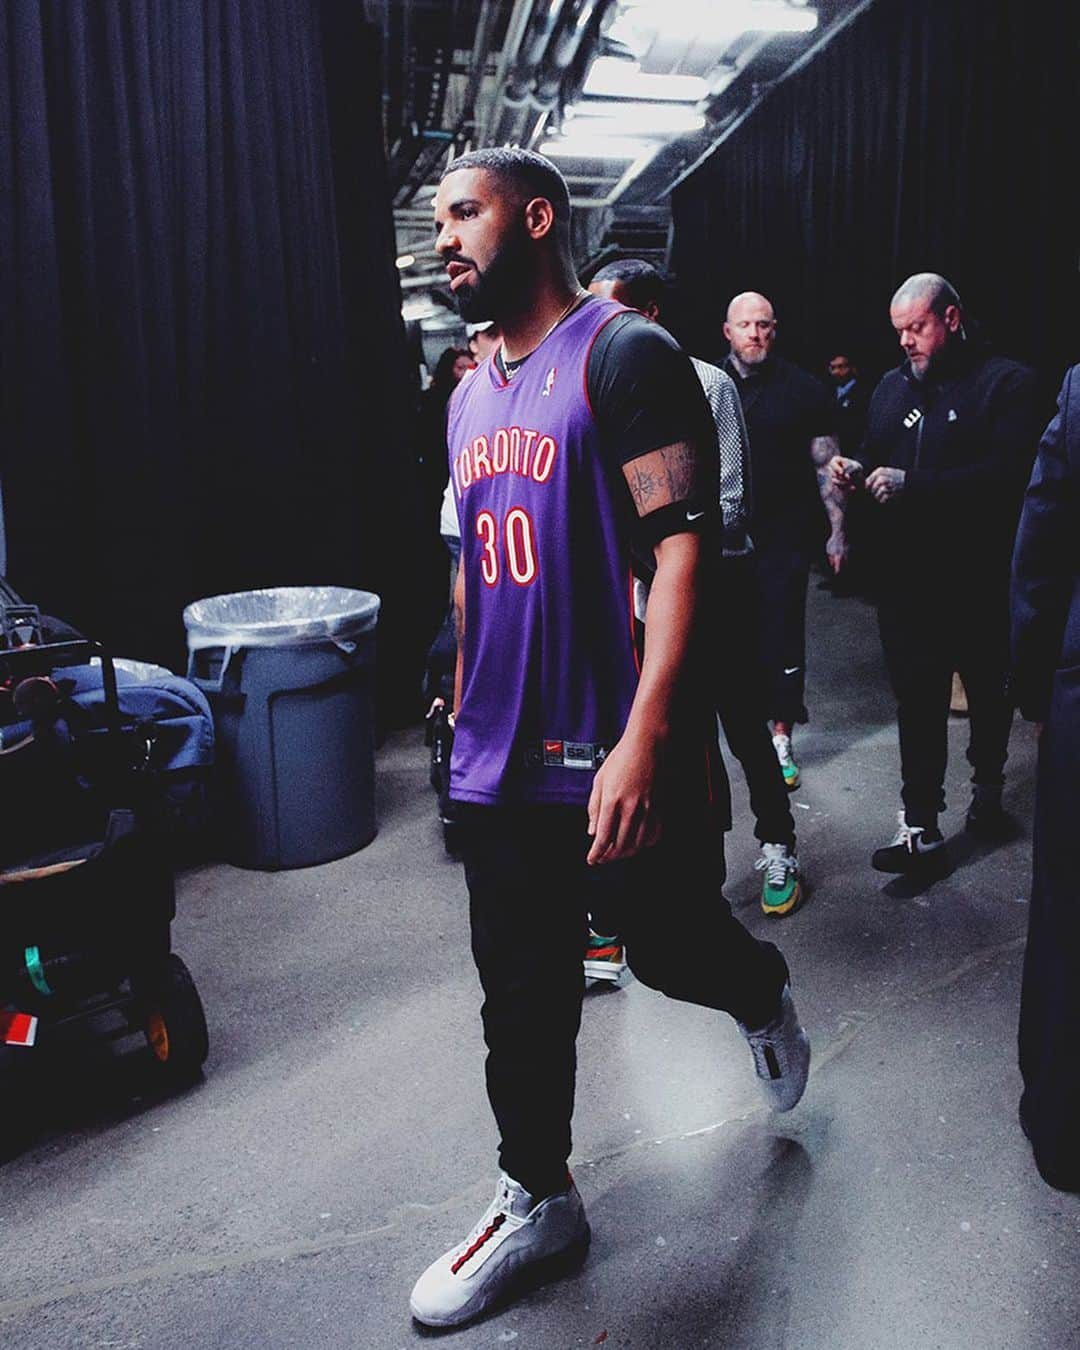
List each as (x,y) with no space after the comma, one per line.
(950,438)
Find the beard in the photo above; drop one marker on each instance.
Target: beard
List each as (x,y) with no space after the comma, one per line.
(922,369)
(501,287)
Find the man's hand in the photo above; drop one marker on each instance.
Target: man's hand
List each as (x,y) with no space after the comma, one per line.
(623,816)
(836,550)
(884,483)
(845,474)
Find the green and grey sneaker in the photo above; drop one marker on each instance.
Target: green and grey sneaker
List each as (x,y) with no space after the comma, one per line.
(781,890)
(788,767)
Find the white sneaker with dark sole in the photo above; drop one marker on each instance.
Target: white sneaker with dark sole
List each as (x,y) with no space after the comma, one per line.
(781,1051)
(517,1245)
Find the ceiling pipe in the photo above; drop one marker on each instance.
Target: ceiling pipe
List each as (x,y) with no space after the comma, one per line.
(481,51)
(576,19)
(546,19)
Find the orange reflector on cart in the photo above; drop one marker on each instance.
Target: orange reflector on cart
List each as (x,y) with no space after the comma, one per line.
(158,1036)
(37,873)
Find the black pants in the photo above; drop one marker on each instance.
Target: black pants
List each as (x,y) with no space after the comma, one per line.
(529,894)
(741,700)
(783,572)
(925,639)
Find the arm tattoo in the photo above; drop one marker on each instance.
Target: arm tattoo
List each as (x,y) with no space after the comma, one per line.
(680,464)
(662,476)
(644,484)
(822,449)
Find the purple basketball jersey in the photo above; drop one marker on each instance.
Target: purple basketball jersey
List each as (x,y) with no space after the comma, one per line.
(550,663)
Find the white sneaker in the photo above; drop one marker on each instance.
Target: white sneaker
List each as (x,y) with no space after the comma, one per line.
(605,960)
(517,1244)
(788,767)
(781,1051)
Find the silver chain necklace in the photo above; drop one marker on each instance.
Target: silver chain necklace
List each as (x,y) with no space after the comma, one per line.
(511,368)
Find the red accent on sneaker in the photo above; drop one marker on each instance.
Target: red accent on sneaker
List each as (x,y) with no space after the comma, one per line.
(488,1233)
(602,953)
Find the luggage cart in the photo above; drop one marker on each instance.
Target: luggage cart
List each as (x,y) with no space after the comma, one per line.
(87,895)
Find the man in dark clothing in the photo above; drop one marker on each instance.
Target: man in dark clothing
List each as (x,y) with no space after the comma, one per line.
(738,672)
(792,423)
(1046,663)
(948,447)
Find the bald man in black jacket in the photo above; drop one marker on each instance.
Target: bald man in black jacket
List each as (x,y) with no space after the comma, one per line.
(948,448)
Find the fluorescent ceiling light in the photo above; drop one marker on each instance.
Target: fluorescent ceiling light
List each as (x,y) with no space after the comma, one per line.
(623,118)
(706,20)
(611,78)
(595,145)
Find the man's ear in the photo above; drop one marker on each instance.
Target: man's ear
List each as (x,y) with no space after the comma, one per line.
(727,331)
(951,318)
(652,311)
(539,217)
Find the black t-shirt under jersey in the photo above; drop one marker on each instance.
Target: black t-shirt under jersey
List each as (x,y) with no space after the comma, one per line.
(785,409)
(643,390)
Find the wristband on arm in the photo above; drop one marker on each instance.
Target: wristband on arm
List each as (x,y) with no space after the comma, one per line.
(692,516)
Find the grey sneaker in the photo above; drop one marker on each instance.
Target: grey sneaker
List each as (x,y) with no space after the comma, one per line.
(517,1245)
(781,1051)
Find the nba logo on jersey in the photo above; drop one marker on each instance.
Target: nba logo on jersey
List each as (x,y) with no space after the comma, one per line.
(549,382)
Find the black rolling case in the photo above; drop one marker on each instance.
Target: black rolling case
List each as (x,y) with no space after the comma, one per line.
(86,831)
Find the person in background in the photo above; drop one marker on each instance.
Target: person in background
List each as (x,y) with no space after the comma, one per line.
(484,339)
(792,424)
(949,441)
(852,397)
(735,629)
(1046,683)
(851,401)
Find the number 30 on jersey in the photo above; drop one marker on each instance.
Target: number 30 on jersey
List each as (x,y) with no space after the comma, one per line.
(510,547)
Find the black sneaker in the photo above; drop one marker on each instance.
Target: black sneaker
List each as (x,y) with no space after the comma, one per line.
(986,819)
(912,850)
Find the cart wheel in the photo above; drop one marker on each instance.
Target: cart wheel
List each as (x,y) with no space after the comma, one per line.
(175,1024)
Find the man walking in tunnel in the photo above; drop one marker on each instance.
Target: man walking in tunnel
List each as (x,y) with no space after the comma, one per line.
(582,765)
(792,425)
(735,626)
(950,438)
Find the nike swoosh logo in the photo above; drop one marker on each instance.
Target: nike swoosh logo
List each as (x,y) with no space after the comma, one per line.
(792,671)
(694,515)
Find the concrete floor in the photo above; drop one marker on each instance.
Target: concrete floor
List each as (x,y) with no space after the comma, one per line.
(341,1137)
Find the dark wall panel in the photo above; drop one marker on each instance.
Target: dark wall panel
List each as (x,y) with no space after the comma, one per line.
(202,357)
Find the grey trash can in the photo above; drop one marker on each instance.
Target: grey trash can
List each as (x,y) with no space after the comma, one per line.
(290,675)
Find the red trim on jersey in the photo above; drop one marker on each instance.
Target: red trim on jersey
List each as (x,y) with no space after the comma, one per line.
(710,791)
(633,620)
(528,543)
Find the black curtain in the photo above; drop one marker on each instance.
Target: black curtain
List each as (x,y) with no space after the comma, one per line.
(930,135)
(203,383)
